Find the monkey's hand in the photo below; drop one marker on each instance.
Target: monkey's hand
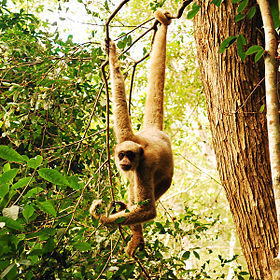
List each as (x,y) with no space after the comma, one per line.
(163,17)
(96,208)
(135,242)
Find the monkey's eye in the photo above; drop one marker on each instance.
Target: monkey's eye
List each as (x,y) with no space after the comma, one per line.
(130,155)
(121,156)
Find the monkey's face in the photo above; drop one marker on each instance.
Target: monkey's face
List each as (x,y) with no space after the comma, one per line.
(128,155)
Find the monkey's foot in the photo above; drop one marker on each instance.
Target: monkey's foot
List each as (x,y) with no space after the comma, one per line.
(133,244)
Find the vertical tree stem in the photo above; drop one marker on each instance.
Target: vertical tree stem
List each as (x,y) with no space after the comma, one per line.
(273,121)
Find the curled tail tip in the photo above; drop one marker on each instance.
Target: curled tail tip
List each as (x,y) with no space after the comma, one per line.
(163,17)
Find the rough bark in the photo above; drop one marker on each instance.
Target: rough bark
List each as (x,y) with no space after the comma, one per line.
(234,94)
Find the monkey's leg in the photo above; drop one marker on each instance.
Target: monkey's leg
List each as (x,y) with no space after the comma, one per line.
(137,240)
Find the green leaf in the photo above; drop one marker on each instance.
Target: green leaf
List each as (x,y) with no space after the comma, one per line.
(235,1)
(275,9)
(4,189)
(8,176)
(35,162)
(73,182)
(186,255)
(12,224)
(28,212)
(33,192)
(196,255)
(262,108)
(259,55)
(253,49)
(226,43)
(47,207)
(53,176)
(9,154)
(239,17)
(21,183)
(241,41)
(242,6)
(6,167)
(216,2)
(195,8)
(82,246)
(251,13)
(48,246)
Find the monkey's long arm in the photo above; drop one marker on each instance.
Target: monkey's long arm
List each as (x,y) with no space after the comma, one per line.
(153,116)
(122,123)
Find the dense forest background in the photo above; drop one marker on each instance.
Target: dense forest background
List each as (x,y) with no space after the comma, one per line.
(54,150)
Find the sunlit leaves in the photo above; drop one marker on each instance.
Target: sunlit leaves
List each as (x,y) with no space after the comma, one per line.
(47,206)
(258,50)
(9,154)
(8,176)
(194,10)
(242,6)
(28,212)
(53,176)
(11,224)
(35,162)
(22,182)
(241,43)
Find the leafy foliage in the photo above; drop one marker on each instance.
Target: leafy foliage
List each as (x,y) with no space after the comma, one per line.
(53,163)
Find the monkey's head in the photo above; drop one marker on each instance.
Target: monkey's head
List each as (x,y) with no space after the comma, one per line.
(128,155)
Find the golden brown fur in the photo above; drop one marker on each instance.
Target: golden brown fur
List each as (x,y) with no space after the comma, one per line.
(144,158)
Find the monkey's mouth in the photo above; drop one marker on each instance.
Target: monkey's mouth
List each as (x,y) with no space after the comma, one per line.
(126,167)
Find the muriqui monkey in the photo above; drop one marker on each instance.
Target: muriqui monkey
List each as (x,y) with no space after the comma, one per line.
(144,158)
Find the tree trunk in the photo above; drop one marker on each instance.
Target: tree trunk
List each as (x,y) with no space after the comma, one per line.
(235,93)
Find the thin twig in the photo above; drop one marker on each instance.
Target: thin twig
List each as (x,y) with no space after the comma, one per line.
(108,260)
(132,80)
(140,25)
(258,84)
(108,127)
(182,8)
(147,276)
(111,17)
(76,142)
